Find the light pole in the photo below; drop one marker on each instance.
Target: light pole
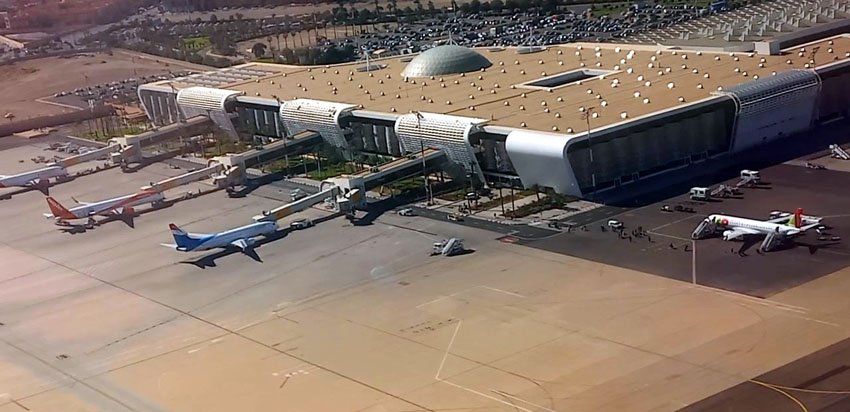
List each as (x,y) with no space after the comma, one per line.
(427,185)
(586,115)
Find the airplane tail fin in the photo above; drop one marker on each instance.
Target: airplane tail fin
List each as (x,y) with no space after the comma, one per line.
(796,220)
(58,210)
(183,240)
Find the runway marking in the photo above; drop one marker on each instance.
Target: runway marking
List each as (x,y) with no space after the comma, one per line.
(522,400)
(468,289)
(786,394)
(673,222)
(443,363)
(759,301)
(816,391)
(448,348)
(190,351)
(435,300)
(501,291)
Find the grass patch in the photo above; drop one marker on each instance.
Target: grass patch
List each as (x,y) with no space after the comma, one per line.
(328,171)
(103,135)
(195,43)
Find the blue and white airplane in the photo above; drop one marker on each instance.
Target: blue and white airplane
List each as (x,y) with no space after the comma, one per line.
(241,238)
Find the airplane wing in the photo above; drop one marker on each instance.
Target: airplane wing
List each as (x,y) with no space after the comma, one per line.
(246,249)
(803,229)
(169,245)
(739,232)
(781,219)
(240,243)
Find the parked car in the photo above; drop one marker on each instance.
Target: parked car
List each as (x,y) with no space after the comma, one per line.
(615,224)
(301,224)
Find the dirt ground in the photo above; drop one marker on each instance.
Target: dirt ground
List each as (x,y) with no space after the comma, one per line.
(24,82)
(260,12)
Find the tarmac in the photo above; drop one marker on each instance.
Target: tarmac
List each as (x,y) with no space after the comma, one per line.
(668,250)
(359,317)
(819,382)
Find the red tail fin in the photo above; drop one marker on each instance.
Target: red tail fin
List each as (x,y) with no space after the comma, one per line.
(798,217)
(58,210)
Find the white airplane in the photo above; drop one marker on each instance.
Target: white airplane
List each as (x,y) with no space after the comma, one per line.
(39,179)
(241,238)
(121,206)
(775,230)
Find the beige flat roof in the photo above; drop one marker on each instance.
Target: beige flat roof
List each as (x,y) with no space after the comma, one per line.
(673,80)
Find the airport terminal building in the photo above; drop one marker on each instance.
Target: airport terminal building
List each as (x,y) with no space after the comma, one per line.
(579,118)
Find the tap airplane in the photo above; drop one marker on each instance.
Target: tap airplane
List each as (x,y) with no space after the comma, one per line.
(241,238)
(775,230)
(121,206)
(39,179)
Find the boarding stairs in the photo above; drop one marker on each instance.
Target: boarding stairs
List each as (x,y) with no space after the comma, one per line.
(746,182)
(771,241)
(704,229)
(838,152)
(724,191)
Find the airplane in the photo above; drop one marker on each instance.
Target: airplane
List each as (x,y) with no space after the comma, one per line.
(241,238)
(121,206)
(775,231)
(39,179)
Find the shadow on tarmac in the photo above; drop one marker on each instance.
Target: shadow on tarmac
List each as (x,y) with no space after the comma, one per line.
(253,184)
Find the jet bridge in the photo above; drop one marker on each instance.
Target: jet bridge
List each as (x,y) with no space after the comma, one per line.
(401,168)
(236,164)
(185,178)
(131,146)
(88,156)
(345,192)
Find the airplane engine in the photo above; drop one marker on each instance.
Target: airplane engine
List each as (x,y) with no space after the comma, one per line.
(726,234)
(250,242)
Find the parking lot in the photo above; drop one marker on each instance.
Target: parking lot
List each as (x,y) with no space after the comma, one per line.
(669,251)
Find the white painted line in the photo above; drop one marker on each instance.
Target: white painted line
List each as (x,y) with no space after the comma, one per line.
(190,351)
(486,396)
(448,348)
(432,301)
(502,291)
(522,400)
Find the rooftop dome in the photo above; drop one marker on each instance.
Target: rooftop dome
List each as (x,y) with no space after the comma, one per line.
(447,59)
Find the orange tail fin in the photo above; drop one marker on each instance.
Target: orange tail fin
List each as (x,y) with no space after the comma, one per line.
(58,210)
